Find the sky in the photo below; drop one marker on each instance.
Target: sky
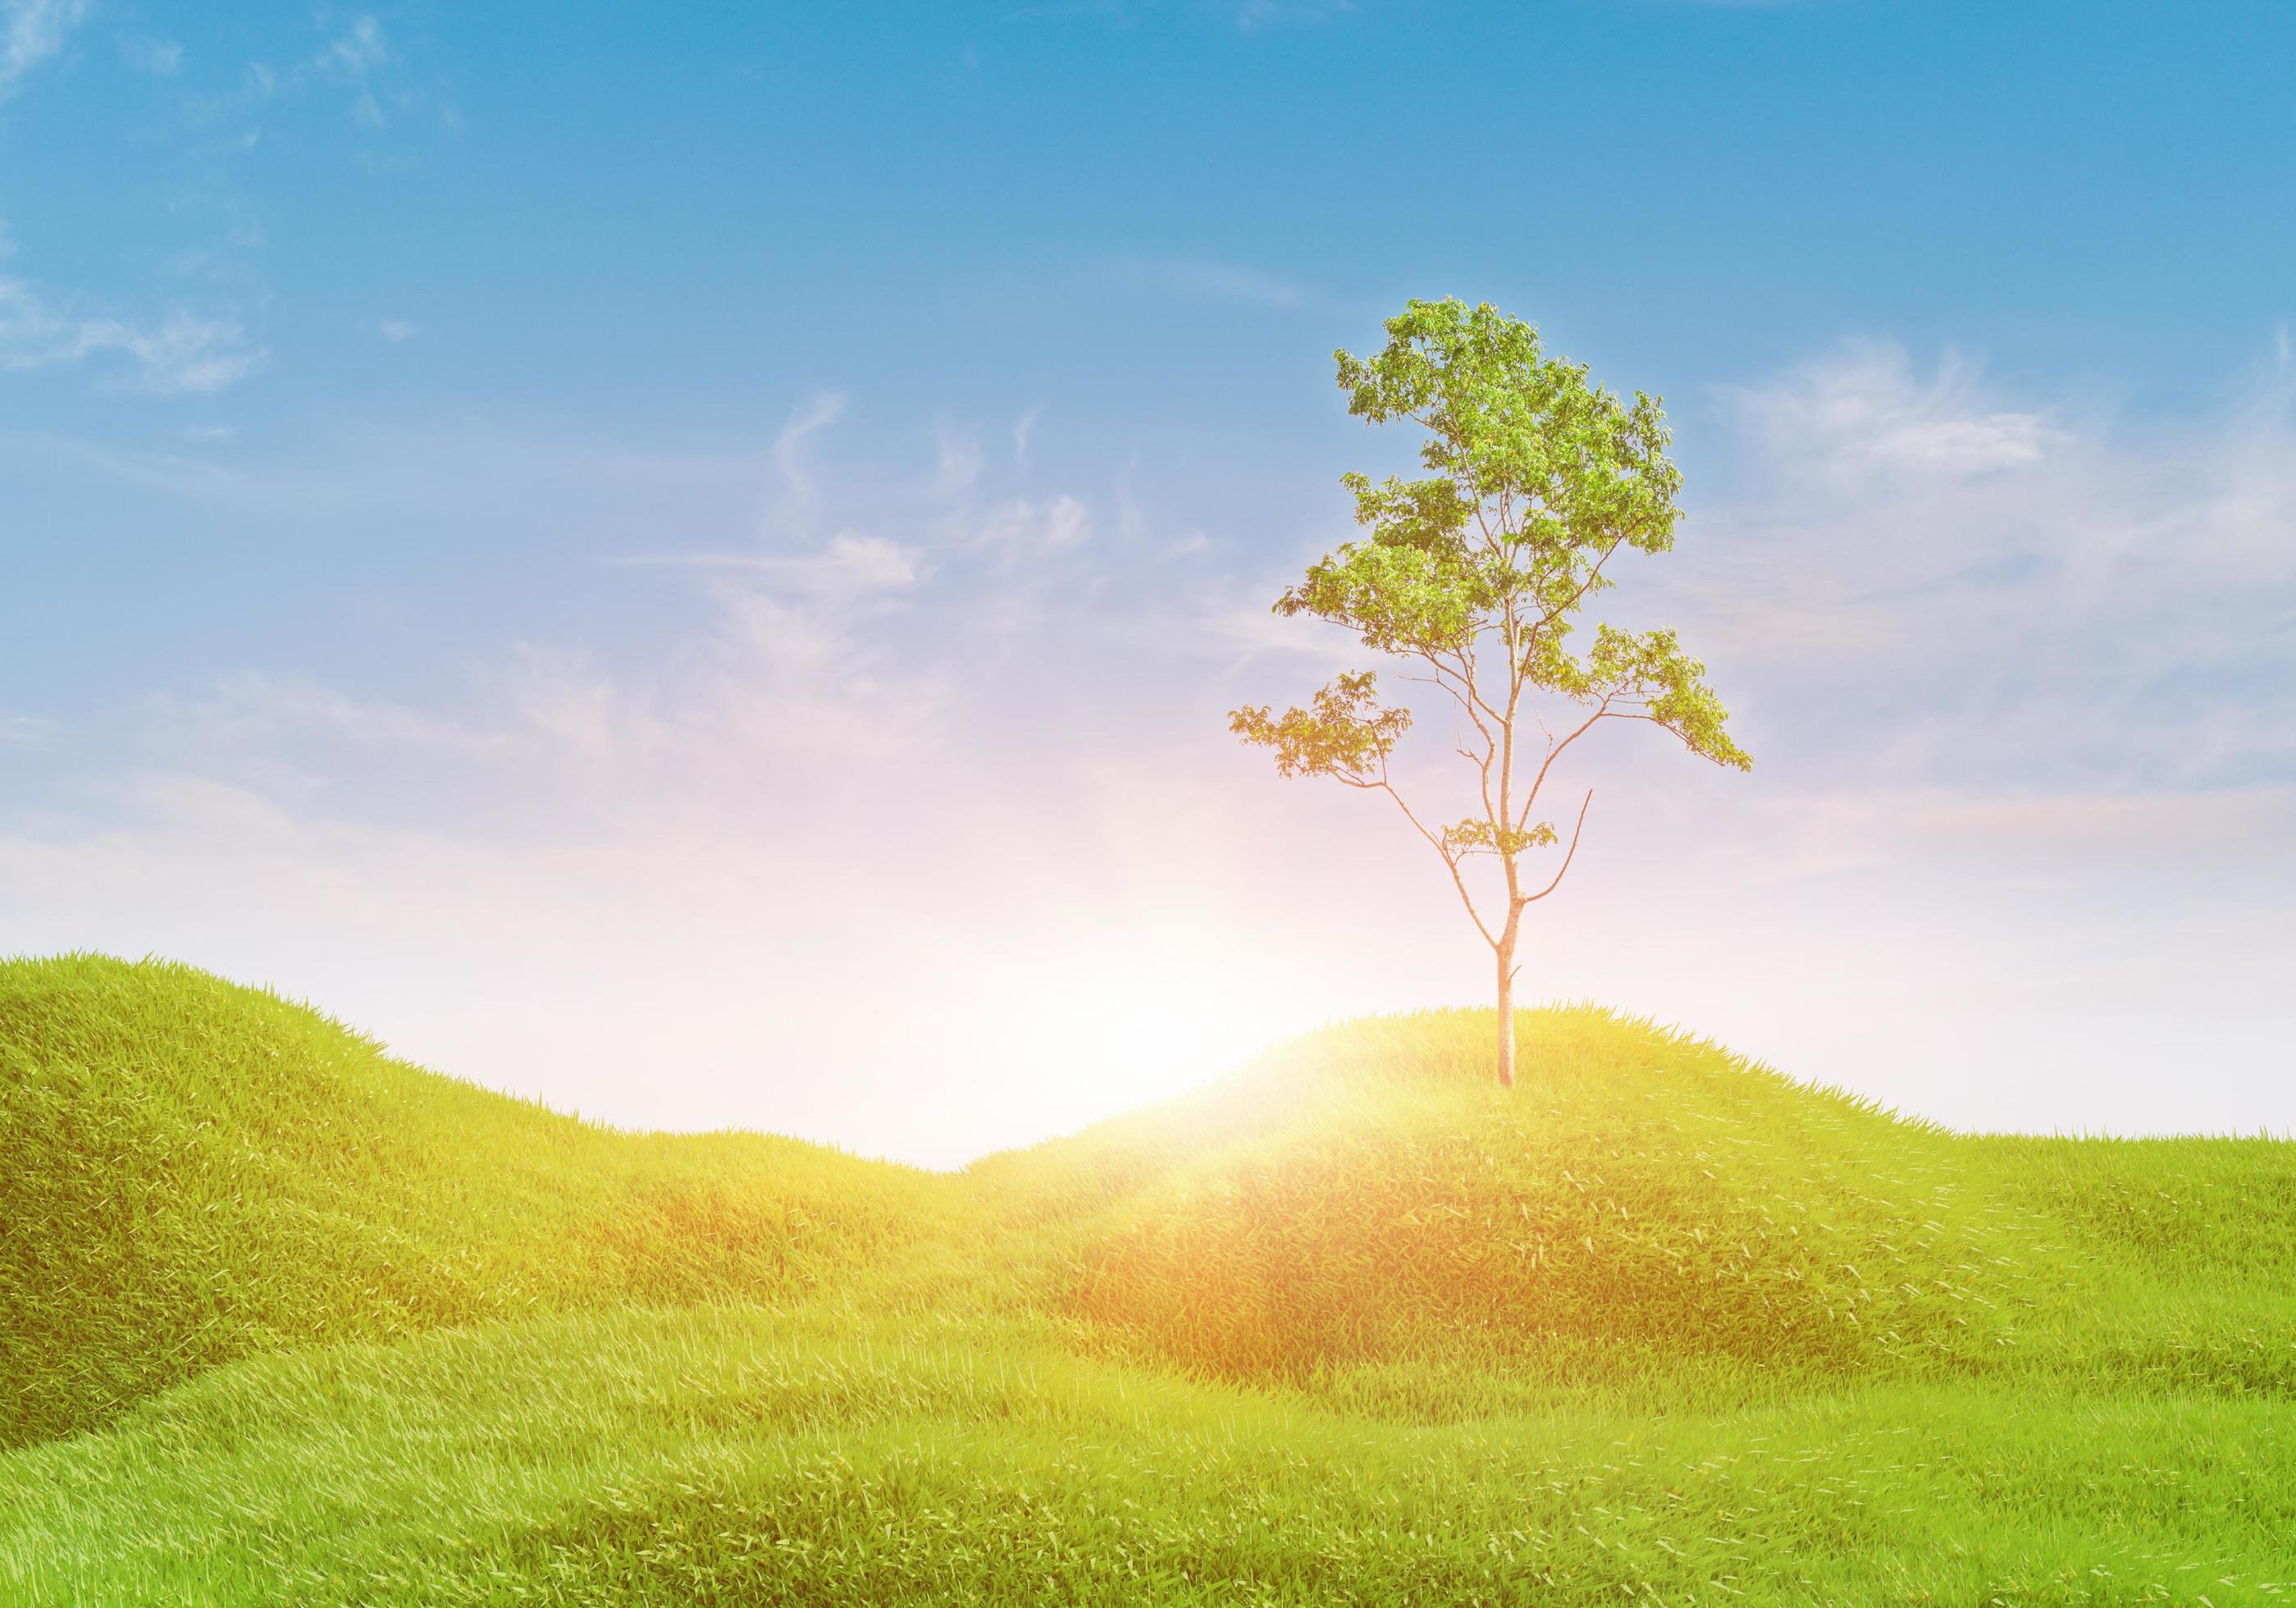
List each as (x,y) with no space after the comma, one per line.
(690,563)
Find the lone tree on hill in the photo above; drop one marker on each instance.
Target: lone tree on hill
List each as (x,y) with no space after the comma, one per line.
(1476,574)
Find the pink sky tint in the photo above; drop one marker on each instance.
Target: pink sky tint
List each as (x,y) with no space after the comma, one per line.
(919,830)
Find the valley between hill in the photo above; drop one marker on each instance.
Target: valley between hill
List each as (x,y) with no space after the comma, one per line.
(283,1320)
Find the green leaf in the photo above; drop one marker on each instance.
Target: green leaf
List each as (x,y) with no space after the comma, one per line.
(1347,734)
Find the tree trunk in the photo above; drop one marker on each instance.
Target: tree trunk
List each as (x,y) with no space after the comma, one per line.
(1506,1008)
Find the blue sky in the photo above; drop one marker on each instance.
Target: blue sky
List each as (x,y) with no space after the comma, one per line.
(689,560)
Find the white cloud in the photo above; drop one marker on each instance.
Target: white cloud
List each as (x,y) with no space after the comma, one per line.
(1042,526)
(175,474)
(872,563)
(1205,280)
(151,56)
(32,31)
(360,48)
(960,464)
(251,707)
(851,565)
(1998,593)
(1861,409)
(1251,630)
(878,794)
(1253,15)
(1068,523)
(354,56)
(816,414)
(786,673)
(180,353)
(1247,16)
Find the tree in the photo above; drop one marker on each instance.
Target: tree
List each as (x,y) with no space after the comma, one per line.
(1475,575)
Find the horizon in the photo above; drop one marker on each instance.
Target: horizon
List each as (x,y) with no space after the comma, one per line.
(692,569)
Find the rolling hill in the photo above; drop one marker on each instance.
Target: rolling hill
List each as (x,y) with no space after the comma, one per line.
(282,1320)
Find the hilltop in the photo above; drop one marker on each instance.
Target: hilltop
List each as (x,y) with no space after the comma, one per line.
(282,1319)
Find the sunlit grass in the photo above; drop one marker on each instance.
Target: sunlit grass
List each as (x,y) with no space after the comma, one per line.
(197,1171)
(1350,1327)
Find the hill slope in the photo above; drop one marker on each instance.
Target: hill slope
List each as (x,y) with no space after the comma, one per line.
(198,1171)
(291,1322)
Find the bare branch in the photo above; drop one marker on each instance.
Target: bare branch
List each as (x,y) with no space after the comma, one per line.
(1472,674)
(1450,861)
(1490,543)
(1450,691)
(1554,751)
(1482,761)
(1567,857)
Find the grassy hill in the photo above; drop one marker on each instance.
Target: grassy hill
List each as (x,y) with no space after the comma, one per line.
(197,1172)
(284,1321)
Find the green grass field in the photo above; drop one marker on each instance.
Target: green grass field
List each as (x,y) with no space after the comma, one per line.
(282,1320)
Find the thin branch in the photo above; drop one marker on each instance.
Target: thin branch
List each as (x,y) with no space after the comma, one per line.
(1467,653)
(1550,616)
(1568,855)
(1450,863)
(1483,761)
(1490,543)
(1462,673)
(1554,751)
(1492,749)
(1453,692)
(1587,586)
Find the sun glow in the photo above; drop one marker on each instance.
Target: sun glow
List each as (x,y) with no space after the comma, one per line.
(1122,1018)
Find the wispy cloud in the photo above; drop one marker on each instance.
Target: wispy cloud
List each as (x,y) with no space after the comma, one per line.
(31,32)
(960,463)
(791,448)
(1204,279)
(354,56)
(1862,409)
(2005,593)
(963,737)
(797,641)
(1253,15)
(180,353)
(150,56)
(851,564)
(1247,16)
(359,48)
(1026,526)
(839,754)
